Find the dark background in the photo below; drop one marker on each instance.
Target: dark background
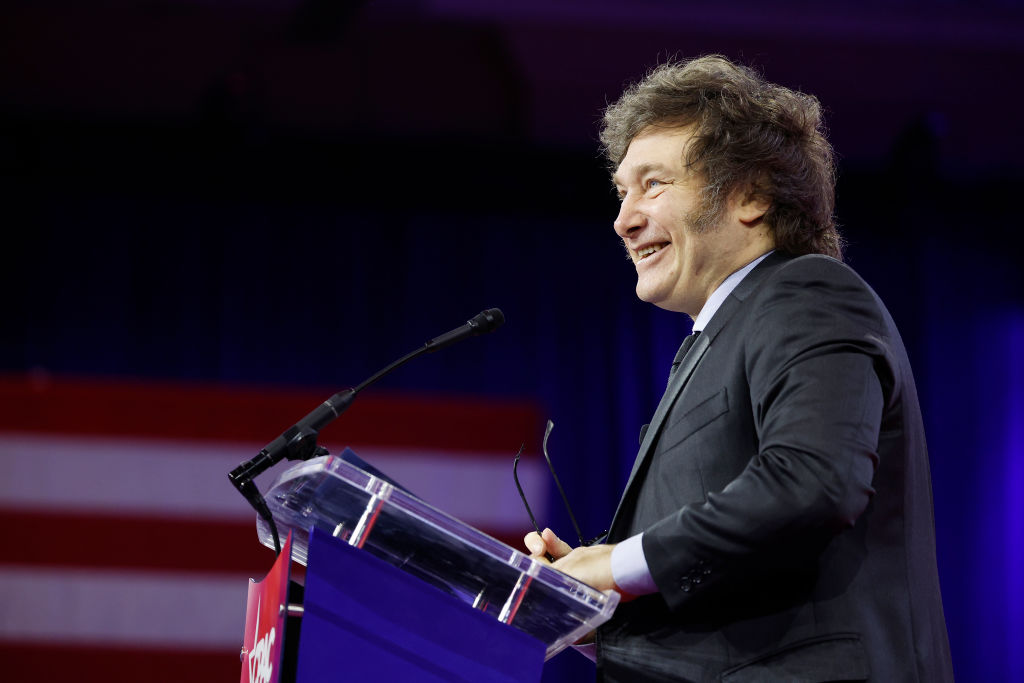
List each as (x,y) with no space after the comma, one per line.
(297,192)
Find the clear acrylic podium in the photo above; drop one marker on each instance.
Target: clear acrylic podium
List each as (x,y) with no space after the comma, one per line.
(366,512)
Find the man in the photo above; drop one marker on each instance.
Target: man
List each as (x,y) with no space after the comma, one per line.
(777,525)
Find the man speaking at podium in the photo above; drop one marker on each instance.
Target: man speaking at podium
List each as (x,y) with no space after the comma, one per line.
(777,525)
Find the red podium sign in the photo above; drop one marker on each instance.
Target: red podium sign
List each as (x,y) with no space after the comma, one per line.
(266,609)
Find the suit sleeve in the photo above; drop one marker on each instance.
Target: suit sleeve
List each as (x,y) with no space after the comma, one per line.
(816,366)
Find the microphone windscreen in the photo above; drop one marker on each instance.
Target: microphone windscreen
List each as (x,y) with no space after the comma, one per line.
(489,320)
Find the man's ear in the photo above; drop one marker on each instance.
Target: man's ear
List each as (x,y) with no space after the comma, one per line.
(751,206)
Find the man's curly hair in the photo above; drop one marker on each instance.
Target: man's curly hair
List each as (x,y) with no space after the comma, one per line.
(750,136)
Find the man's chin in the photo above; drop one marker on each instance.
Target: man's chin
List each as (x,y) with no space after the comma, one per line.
(661,300)
(647,293)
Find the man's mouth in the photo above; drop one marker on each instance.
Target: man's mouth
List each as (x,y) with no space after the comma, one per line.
(641,254)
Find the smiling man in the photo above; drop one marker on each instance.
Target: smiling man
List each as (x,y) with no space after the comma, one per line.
(777,525)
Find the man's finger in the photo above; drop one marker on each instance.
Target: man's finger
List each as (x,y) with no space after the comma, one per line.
(556,546)
(534,543)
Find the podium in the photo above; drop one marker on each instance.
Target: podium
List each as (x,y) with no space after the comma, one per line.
(398,590)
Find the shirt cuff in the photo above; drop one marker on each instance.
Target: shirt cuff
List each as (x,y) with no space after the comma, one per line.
(629,567)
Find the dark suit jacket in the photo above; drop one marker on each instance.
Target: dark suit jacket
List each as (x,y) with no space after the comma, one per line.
(785,499)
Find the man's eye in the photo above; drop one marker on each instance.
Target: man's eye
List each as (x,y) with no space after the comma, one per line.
(651,184)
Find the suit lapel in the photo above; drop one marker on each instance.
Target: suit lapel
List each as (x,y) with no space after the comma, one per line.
(672,392)
(679,383)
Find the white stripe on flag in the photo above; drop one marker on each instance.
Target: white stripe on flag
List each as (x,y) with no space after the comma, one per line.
(172,478)
(122,608)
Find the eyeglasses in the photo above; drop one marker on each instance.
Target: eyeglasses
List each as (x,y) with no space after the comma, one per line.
(561,492)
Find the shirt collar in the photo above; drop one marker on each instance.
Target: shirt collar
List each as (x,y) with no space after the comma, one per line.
(722,292)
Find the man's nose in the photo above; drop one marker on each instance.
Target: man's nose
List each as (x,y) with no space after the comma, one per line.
(630,217)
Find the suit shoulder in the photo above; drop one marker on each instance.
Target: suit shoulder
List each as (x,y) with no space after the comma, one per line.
(819,274)
(818,265)
(803,285)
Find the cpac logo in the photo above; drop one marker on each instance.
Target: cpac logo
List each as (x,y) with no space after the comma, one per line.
(261,669)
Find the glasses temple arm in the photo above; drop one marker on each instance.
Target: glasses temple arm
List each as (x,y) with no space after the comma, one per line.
(515,475)
(561,492)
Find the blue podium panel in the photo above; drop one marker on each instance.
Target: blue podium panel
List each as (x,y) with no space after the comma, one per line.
(366,620)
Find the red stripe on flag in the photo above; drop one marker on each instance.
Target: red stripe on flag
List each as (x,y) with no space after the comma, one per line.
(34,662)
(97,540)
(88,540)
(45,403)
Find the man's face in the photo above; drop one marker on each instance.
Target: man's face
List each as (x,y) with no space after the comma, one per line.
(679,259)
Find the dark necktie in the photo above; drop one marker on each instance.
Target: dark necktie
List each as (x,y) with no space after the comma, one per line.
(681,354)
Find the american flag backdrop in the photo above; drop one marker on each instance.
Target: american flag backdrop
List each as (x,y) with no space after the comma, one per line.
(127,551)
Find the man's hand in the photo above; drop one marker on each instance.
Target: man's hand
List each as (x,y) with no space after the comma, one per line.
(592,565)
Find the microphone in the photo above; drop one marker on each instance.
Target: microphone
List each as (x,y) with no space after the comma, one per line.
(298,442)
(482,323)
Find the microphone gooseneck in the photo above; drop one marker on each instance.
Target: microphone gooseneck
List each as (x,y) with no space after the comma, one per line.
(299,442)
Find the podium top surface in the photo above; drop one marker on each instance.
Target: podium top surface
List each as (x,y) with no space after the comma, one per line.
(366,511)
